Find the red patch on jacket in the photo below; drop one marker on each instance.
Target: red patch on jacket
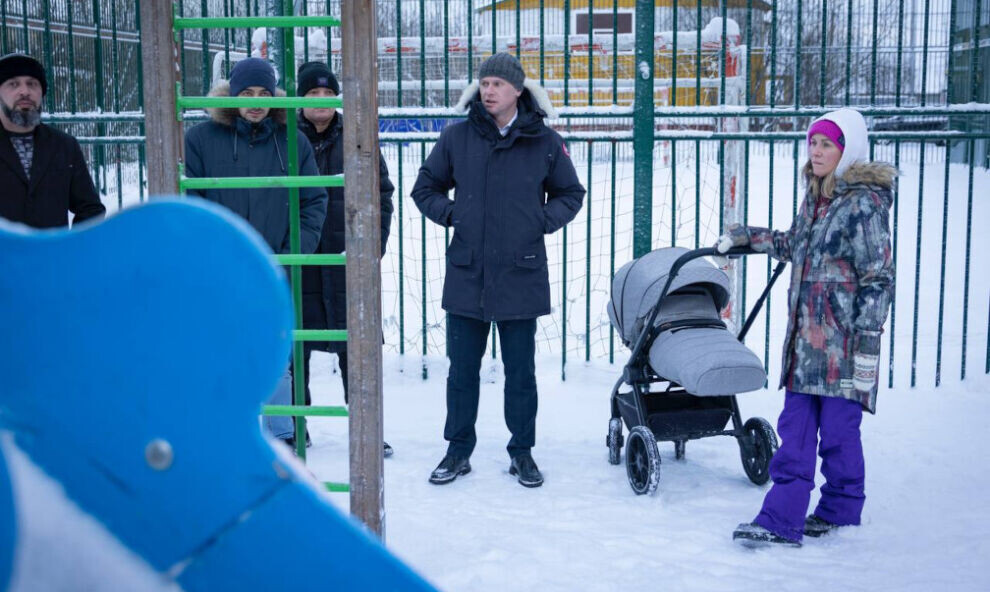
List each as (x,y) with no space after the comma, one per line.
(563,147)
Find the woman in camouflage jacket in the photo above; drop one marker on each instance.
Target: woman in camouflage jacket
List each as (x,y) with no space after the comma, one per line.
(842,281)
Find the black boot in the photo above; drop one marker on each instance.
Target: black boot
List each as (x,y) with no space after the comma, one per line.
(754,535)
(387,449)
(291,441)
(524,467)
(816,527)
(449,469)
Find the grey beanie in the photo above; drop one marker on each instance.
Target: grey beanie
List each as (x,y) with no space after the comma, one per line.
(504,66)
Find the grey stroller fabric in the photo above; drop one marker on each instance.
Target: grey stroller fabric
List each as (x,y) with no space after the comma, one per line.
(637,285)
(705,361)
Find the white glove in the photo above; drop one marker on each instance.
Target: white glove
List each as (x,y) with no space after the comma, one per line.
(735,236)
(724,244)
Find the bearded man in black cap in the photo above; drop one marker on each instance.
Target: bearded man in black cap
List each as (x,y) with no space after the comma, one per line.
(324,290)
(513,184)
(42,170)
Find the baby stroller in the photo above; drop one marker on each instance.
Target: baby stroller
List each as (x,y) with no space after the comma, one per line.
(665,306)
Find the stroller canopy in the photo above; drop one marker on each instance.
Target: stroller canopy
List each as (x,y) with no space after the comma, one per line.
(637,285)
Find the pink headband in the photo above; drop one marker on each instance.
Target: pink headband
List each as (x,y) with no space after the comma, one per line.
(830,130)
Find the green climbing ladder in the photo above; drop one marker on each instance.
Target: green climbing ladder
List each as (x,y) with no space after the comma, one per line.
(293,182)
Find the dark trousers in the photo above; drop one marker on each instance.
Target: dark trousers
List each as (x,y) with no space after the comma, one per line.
(466,342)
(315,317)
(308,348)
(804,420)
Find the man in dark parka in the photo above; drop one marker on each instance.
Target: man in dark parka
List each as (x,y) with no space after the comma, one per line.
(42,170)
(253,142)
(513,184)
(324,288)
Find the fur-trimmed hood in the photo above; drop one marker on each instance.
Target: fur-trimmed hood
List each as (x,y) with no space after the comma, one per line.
(539,95)
(227,115)
(874,174)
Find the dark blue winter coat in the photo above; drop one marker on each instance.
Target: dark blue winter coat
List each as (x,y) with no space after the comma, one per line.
(508,193)
(329,281)
(230,146)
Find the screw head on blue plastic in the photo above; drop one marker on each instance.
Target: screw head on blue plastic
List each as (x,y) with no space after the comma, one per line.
(159,454)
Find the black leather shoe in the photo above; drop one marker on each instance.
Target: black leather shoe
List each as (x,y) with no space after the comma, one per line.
(524,467)
(387,450)
(449,469)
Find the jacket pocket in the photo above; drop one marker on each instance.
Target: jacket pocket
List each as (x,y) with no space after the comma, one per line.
(838,313)
(458,254)
(531,260)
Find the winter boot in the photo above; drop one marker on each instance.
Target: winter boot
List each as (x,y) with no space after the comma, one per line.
(524,467)
(291,441)
(387,449)
(449,469)
(754,535)
(816,527)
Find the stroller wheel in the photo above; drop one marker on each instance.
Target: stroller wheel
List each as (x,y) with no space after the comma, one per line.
(757,446)
(614,440)
(642,461)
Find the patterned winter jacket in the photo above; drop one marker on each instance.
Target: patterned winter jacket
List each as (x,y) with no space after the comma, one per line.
(842,282)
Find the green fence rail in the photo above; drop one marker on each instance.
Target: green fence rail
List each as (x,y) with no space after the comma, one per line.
(732,90)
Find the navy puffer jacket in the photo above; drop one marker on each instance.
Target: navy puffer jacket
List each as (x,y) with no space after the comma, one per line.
(230,146)
(509,192)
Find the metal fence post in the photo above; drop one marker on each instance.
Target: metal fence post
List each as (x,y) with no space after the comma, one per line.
(643,130)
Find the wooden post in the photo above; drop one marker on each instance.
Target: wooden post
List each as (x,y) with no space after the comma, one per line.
(163,132)
(359,69)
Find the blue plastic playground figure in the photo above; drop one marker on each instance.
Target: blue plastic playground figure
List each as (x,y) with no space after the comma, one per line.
(147,414)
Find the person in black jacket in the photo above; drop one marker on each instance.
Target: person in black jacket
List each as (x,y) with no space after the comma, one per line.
(42,170)
(253,142)
(324,289)
(514,183)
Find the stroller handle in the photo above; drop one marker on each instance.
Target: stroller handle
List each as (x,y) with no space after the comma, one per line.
(675,269)
(681,261)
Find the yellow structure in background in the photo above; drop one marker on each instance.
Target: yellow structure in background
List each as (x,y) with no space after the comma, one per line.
(606,63)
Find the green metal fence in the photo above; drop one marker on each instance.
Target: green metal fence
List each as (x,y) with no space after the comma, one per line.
(733,85)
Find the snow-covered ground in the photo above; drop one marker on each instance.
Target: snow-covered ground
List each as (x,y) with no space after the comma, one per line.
(926,524)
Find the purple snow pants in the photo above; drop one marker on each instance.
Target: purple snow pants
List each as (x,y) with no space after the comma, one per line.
(793,466)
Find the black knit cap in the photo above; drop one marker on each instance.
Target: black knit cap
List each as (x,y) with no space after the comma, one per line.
(19,64)
(316,75)
(504,66)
